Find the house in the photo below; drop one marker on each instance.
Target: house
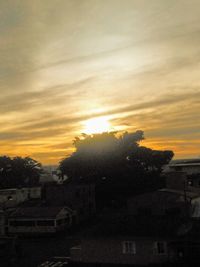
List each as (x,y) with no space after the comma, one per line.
(80,197)
(14,196)
(131,241)
(49,174)
(189,166)
(165,202)
(39,220)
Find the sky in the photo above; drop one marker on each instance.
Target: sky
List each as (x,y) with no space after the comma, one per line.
(135,64)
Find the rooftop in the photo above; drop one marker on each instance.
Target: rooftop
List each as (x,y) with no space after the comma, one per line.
(37,212)
(185,162)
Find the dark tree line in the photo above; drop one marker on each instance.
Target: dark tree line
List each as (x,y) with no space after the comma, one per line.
(117,164)
(19,172)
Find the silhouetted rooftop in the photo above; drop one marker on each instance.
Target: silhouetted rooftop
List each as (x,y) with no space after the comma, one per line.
(37,212)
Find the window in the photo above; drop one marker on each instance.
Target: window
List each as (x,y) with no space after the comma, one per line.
(78,193)
(173,211)
(160,248)
(63,221)
(45,223)
(128,247)
(22,223)
(144,211)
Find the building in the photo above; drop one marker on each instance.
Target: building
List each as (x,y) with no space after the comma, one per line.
(131,241)
(14,196)
(39,220)
(189,166)
(176,180)
(79,197)
(49,174)
(165,202)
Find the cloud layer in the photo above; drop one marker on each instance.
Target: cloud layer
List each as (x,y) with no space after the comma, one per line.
(63,62)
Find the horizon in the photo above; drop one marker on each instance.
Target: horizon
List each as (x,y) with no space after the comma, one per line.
(69,67)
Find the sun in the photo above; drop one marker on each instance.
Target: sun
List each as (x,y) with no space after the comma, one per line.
(97,125)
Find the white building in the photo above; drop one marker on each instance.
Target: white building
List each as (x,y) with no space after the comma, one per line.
(39,220)
(189,166)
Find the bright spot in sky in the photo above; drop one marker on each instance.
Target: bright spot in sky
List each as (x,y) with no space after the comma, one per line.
(97,125)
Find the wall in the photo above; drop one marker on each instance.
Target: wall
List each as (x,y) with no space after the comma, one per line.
(12,197)
(110,251)
(62,221)
(2,223)
(176,180)
(158,203)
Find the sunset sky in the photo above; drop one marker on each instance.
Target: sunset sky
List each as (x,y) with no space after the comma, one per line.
(133,64)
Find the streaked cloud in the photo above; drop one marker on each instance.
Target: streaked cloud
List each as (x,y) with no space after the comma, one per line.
(136,62)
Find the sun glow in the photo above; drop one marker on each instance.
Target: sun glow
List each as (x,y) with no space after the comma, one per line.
(97,125)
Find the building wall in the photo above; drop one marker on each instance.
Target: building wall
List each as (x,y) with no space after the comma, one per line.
(176,180)
(2,223)
(156,204)
(111,251)
(62,221)
(195,209)
(188,169)
(12,197)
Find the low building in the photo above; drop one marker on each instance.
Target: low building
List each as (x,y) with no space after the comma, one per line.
(189,166)
(39,220)
(166,203)
(129,242)
(49,174)
(14,196)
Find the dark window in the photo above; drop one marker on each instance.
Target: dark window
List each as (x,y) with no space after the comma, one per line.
(144,211)
(78,193)
(128,247)
(173,211)
(12,223)
(22,223)
(45,223)
(90,192)
(160,248)
(63,221)
(178,168)
(59,222)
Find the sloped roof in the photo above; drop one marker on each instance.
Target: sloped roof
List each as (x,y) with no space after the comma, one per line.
(177,161)
(188,194)
(36,212)
(166,197)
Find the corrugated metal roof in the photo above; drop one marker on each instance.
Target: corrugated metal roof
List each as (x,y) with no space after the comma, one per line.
(55,262)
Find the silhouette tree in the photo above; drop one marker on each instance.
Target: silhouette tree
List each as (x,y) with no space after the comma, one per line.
(18,171)
(117,164)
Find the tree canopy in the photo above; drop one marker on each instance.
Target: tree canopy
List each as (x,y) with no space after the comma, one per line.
(18,172)
(116,163)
